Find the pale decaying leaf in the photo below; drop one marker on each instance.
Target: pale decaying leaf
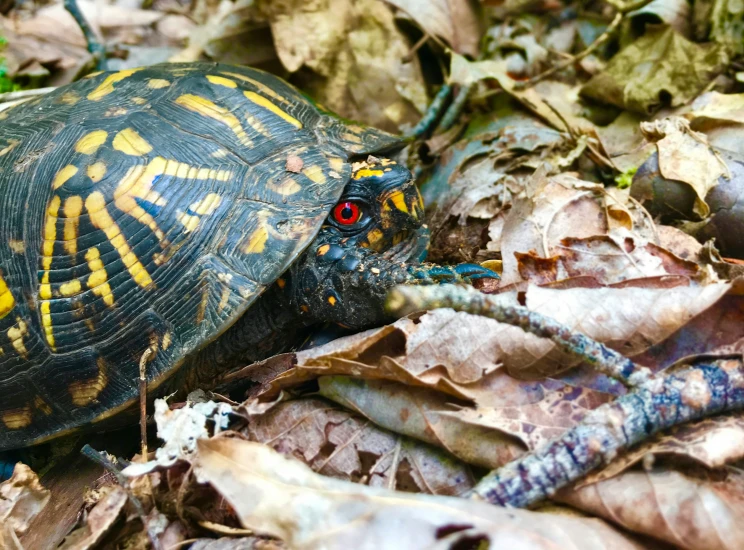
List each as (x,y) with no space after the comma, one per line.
(661,66)
(340,444)
(22,497)
(180,429)
(356,55)
(455,21)
(684,155)
(99,521)
(685,511)
(282,497)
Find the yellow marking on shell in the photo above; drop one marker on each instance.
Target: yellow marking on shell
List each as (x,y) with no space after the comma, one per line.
(138,100)
(115,111)
(336,164)
(73,209)
(46,321)
(63,175)
(257,241)
(399,201)
(16,334)
(129,142)
(12,144)
(387,162)
(167,340)
(158,83)
(211,110)
(91,75)
(207,205)
(322,250)
(47,250)
(84,392)
(224,298)
(332,300)
(315,173)
(42,406)
(96,171)
(288,186)
(367,173)
(261,101)
(98,280)
(189,222)
(107,86)
(16,419)
(7,301)
(89,143)
(95,203)
(219,153)
(17,246)
(353,138)
(263,88)
(69,98)
(222,81)
(70,288)
(257,125)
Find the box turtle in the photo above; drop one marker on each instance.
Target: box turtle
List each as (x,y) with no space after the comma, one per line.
(205,211)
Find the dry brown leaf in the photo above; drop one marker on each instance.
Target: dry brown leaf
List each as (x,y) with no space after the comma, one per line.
(99,521)
(344,43)
(684,155)
(688,512)
(455,21)
(339,444)
(22,497)
(282,497)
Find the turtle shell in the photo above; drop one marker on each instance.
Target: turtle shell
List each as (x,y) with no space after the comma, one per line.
(149,208)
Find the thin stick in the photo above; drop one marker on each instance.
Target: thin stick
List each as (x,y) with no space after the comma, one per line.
(25,94)
(432,113)
(143,400)
(96,49)
(687,394)
(407,299)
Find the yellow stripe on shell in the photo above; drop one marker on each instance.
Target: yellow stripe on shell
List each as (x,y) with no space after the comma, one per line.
(95,204)
(157,83)
(70,288)
(288,186)
(16,334)
(129,142)
(207,205)
(107,86)
(268,105)
(315,174)
(12,144)
(89,143)
(63,175)
(72,210)
(261,87)
(98,279)
(47,247)
(256,243)
(83,392)
(7,301)
(209,109)
(222,81)
(46,321)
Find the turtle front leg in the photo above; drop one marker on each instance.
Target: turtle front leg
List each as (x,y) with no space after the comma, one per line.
(347,285)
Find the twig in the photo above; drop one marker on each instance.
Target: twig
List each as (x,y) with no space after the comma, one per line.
(100,458)
(96,49)
(407,299)
(601,39)
(432,113)
(455,109)
(143,399)
(688,394)
(25,94)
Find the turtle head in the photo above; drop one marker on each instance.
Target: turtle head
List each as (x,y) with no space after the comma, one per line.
(380,208)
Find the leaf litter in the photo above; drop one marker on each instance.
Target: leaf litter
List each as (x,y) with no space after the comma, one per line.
(597,166)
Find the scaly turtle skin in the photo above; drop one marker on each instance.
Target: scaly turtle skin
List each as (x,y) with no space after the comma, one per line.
(151,208)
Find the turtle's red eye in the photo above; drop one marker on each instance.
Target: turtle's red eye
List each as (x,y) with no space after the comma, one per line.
(347,213)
